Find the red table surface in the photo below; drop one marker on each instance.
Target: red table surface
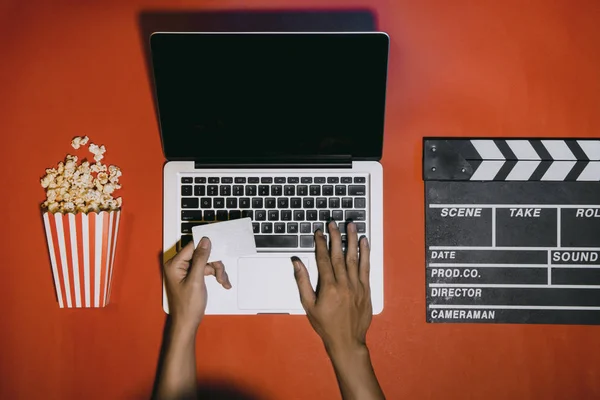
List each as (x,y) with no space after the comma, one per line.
(457,68)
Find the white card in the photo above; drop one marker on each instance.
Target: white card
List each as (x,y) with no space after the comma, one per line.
(229,238)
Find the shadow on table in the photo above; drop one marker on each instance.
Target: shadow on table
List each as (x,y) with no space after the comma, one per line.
(332,20)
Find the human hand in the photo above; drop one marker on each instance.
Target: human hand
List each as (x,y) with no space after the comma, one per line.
(340,310)
(185,286)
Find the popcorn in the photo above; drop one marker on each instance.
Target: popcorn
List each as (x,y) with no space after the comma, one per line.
(85,187)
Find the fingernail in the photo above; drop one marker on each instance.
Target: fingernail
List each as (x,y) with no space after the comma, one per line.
(333,224)
(364,239)
(204,242)
(350,227)
(295,261)
(318,232)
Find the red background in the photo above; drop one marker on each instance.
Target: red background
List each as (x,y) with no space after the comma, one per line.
(459,68)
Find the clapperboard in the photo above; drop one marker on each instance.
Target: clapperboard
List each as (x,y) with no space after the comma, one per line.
(512,230)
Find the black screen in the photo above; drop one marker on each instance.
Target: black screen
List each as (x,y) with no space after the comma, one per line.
(259,96)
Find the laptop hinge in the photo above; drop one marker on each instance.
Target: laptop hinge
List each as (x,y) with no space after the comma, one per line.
(277,162)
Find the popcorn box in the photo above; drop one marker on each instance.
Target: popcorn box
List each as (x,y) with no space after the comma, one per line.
(82,254)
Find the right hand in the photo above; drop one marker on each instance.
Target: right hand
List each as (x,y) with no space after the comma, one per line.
(340,310)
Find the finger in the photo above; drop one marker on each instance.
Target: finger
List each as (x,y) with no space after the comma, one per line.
(180,261)
(364,263)
(185,254)
(337,255)
(209,270)
(221,274)
(307,294)
(323,261)
(352,252)
(199,260)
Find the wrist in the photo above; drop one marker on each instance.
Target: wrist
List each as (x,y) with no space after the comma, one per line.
(347,352)
(183,330)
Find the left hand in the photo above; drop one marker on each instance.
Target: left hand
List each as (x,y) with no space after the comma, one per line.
(185,286)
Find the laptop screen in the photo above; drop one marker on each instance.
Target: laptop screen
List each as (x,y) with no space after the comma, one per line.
(257,96)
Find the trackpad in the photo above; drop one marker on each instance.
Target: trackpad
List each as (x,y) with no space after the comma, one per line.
(267,283)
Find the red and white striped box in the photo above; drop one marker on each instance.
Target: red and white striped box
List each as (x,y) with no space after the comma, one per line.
(82,254)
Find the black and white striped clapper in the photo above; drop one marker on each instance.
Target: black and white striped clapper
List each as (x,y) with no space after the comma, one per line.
(483,159)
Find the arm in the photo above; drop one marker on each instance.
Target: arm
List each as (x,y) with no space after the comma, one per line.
(187,296)
(341,310)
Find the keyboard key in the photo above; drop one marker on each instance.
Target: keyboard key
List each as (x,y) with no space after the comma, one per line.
(282,202)
(244,202)
(238,190)
(289,190)
(333,179)
(359,179)
(311,215)
(306,179)
(260,215)
(337,215)
(347,202)
(189,202)
(299,215)
(227,180)
(235,214)
(263,190)
(209,215)
(276,190)
(279,179)
(231,202)
(213,180)
(295,202)
(265,179)
(357,190)
(346,179)
(248,214)
(279,227)
(250,190)
(186,227)
(257,202)
(342,228)
(315,190)
(185,239)
(276,241)
(307,241)
(361,227)
(240,180)
(186,190)
(321,202)
(292,227)
(340,190)
(286,215)
(225,190)
(219,202)
(253,179)
(356,215)
(302,190)
(334,202)
(222,215)
(305,227)
(187,179)
(206,202)
(191,215)
(318,226)
(273,215)
(324,215)
(293,179)
(199,190)
(308,202)
(360,202)
(212,190)
(200,179)
(327,190)
(320,179)
(270,202)
(255,228)
(266,227)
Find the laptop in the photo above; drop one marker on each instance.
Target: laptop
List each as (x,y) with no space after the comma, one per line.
(283,128)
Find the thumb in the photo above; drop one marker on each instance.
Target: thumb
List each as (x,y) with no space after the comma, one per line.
(307,294)
(200,259)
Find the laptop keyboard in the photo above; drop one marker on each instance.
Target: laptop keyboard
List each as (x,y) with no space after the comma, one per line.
(285,210)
